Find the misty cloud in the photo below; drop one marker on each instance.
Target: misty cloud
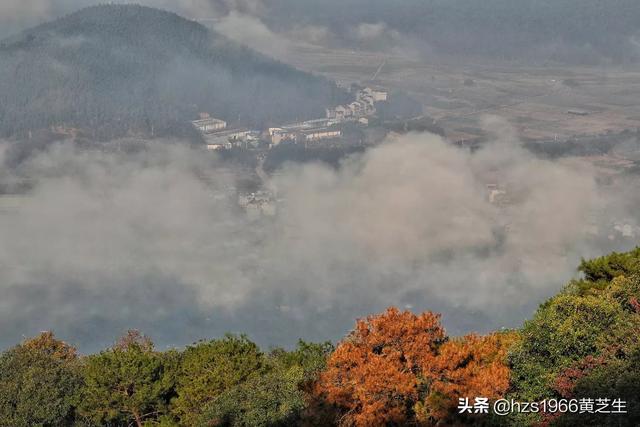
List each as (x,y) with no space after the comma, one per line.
(240,20)
(251,31)
(491,28)
(17,14)
(18,9)
(154,240)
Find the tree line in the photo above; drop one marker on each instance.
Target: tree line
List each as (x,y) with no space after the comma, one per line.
(393,369)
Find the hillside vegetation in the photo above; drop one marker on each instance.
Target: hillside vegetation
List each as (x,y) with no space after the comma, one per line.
(117,69)
(393,369)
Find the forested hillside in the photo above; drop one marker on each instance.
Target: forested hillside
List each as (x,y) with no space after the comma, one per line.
(393,369)
(115,69)
(563,30)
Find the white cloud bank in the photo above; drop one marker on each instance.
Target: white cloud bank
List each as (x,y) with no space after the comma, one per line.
(108,241)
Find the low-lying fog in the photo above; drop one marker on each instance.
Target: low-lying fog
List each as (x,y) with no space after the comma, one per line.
(530,30)
(105,241)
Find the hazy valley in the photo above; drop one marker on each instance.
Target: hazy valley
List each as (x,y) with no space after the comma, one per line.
(280,168)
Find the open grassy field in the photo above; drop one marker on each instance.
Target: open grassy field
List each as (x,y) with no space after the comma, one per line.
(536,99)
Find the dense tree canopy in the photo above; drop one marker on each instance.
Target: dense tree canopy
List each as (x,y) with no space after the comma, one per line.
(469,367)
(399,368)
(208,369)
(276,398)
(583,342)
(395,368)
(127,383)
(113,70)
(38,381)
(373,374)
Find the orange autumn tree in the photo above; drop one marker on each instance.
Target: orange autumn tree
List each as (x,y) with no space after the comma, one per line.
(469,367)
(400,368)
(372,377)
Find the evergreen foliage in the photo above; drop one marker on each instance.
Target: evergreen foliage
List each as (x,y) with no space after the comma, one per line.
(38,381)
(114,70)
(396,368)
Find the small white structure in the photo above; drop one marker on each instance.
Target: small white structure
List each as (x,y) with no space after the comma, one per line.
(277,135)
(497,195)
(380,95)
(230,138)
(209,125)
(311,135)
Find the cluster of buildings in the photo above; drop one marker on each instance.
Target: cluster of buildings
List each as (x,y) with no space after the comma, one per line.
(304,132)
(208,125)
(218,136)
(230,138)
(363,107)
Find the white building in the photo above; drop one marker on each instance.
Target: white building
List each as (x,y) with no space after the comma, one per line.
(319,134)
(363,106)
(230,138)
(378,95)
(209,125)
(216,147)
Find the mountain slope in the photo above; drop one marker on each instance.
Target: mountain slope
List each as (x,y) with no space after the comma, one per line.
(115,69)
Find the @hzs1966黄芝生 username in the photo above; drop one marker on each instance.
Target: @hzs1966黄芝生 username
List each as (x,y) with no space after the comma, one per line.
(483,405)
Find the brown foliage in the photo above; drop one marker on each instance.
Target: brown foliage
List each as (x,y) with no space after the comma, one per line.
(372,375)
(398,368)
(134,338)
(473,366)
(566,381)
(47,343)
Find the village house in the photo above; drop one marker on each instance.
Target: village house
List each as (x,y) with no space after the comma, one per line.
(207,124)
(311,135)
(363,106)
(231,138)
